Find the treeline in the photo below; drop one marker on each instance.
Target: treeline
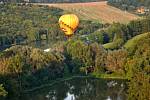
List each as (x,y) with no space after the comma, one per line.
(132,3)
(31,23)
(22,24)
(83,56)
(114,36)
(24,67)
(25,23)
(132,62)
(129,5)
(95,48)
(138,69)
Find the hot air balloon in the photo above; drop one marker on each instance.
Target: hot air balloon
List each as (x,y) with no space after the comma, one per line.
(68,24)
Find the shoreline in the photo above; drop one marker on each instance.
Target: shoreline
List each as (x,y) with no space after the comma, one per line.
(66,79)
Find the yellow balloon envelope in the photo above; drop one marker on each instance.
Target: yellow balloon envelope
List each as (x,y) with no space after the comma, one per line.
(68,23)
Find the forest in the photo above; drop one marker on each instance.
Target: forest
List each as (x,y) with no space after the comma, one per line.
(96,49)
(135,3)
(130,5)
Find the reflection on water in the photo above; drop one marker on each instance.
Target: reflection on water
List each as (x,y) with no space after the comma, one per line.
(81,89)
(70,96)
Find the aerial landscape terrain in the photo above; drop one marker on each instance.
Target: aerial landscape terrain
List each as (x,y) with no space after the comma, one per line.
(74,50)
(98,11)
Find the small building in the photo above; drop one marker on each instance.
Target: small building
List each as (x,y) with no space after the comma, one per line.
(142,10)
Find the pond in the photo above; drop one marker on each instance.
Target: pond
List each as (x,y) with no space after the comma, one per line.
(82,89)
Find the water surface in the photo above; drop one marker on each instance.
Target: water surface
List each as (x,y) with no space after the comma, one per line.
(81,89)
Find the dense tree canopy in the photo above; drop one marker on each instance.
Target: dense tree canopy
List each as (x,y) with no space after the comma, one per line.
(129,4)
(93,49)
(138,70)
(23,24)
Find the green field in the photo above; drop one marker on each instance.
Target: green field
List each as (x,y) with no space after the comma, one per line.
(132,42)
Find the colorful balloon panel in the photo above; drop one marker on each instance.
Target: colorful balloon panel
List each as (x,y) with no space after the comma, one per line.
(68,23)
